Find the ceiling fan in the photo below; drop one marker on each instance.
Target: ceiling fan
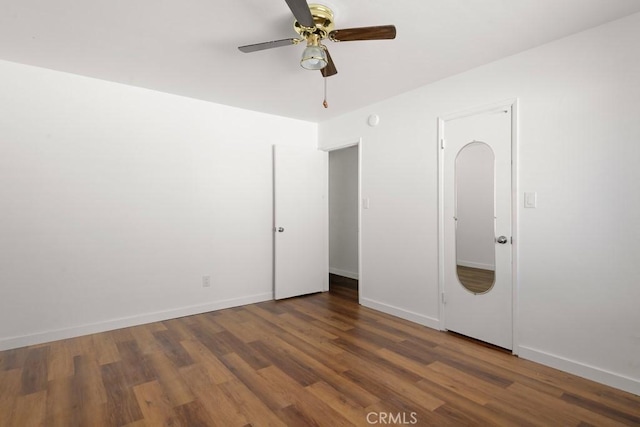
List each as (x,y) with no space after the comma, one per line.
(314,23)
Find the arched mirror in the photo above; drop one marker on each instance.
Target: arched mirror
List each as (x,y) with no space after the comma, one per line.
(475,217)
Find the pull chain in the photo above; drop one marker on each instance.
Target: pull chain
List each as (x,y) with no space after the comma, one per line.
(325,104)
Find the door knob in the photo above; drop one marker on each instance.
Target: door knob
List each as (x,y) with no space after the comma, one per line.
(280,229)
(502,240)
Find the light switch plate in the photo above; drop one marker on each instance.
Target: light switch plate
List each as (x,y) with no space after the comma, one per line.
(530,200)
(365,203)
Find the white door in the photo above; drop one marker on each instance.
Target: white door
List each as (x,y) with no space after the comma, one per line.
(300,221)
(477,226)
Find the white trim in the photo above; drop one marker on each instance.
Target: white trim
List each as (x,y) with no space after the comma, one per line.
(508,103)
(343,273)
(340,146)
(479,110)
(325,280)
(515,209)
(361,285)
(125,322)
(440,139)
(411,316)
(580,369)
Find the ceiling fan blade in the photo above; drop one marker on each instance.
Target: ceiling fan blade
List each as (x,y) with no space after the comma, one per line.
(330,69)
(381,32)
(300,10)
(267,45)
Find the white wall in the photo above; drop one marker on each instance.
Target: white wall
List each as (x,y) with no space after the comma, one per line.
(343,212)
(475,207)
(115,201)
(579,149)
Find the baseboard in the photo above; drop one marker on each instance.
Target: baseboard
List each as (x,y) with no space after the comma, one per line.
(580,369)
(402,313)
(343,273)
(125,322)
(479,265)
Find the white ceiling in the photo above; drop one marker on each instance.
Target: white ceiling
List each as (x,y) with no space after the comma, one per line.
(189,47)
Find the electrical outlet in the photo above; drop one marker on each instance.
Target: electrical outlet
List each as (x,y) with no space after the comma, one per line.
(206,281)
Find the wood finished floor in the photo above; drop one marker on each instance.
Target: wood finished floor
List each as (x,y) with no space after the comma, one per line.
(315,360)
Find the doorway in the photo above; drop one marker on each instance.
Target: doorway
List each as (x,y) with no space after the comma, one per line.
(344,220)
(477,224)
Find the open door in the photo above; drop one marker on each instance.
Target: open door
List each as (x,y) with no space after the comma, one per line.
(300,221)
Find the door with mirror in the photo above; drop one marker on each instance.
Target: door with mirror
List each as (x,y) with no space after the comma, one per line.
(477,226)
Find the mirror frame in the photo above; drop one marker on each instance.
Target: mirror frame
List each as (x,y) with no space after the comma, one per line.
(493,222)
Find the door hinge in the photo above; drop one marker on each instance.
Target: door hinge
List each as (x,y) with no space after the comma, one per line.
(442,143)
(444,301)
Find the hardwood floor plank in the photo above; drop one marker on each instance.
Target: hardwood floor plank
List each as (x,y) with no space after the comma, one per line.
(60,361)
(221,409)
(297,371)
(194,414)
(271,394)
(457,399)
(472,368)
(305,404)
(358,357)
(274,307)
(246,351)
(331,359)
(457,384)
(201,355)
(322,316)
(340,402)
(30,410)
(171,379)
(122,405)
(325,373)
(171,346)
(556,411)
(387,389)
(206,323)
(34,371)
(293,416)
(61,407)
(87,389)
(179,328)
(234,322)
(289,324)
(619,399)
(415,351)
(147,342)
(320,359)
(87,378)
(457,416)
(473,388)
(625,417)
(366,339)
(14,358)
(253,409)
(10,385)
(135,365)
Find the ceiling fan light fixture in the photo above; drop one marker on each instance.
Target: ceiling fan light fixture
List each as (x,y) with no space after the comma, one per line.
(314,56)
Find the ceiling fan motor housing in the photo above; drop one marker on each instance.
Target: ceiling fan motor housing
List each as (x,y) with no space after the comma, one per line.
(322,18)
